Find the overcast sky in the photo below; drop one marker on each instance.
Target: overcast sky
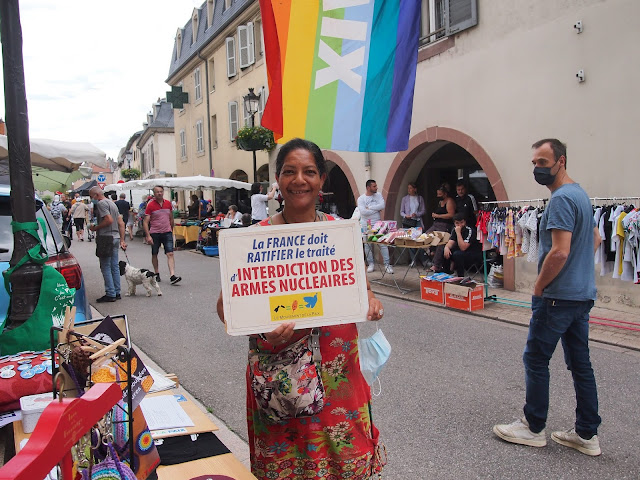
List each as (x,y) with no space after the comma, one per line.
(93,69)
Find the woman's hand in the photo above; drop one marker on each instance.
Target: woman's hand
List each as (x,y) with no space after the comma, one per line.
(375,309)
(280,335)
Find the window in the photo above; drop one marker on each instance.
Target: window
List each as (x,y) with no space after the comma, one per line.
(210,8)
(231,57)
(246,118)
(214,131)
(183,144)
(262,104)
(227,4)
(246,45)
(233,120)
(194,26)
(178,43)
(212,75)
(199,137)
(196,81)
(441,18)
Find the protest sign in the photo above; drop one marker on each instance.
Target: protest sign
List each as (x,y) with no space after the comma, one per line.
(312,274)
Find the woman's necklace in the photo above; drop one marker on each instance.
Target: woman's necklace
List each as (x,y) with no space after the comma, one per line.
(315,219)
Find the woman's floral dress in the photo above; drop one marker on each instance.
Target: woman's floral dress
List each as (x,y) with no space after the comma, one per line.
(339,442)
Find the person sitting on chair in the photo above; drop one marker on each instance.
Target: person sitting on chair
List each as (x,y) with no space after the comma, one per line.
(463,249)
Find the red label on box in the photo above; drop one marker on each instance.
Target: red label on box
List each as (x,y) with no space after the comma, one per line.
(473,301)
(431,290)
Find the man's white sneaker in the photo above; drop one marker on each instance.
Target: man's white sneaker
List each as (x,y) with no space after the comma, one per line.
(571,439)
(370,268)
(388,268)
(518,432)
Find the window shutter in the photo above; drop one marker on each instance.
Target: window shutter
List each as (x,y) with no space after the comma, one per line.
(233,120)
(251,43)
(231,57)
(461,14)
(243,46)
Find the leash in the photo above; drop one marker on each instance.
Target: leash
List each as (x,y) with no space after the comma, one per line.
(127,256)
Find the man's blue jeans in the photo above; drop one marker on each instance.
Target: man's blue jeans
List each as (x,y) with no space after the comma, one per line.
(111,271)
(564,320)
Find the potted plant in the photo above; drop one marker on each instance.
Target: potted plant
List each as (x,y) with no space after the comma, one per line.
(130,174)
(255,138)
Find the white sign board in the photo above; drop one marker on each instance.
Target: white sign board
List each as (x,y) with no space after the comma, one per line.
(312,274)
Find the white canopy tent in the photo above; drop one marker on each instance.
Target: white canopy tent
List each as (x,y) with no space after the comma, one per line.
(59,156)
(55,165)
(197,182)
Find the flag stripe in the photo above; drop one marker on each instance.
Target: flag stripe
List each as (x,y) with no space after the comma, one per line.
(272,114)
(322,100)
(405,70)
(349,103)
(296,81)
(377,101)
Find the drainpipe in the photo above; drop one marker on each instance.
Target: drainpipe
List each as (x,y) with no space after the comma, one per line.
(206,79)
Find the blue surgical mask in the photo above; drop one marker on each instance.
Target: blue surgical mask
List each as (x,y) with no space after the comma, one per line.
(374,353)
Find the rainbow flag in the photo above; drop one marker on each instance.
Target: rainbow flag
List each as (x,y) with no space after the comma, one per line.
(341,73)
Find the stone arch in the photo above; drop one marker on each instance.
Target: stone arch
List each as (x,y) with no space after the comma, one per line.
(337,159)
(423,140)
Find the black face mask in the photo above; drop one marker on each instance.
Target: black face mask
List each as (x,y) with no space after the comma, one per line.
(544,176)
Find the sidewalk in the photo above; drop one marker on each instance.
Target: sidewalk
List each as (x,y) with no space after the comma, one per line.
(615,332)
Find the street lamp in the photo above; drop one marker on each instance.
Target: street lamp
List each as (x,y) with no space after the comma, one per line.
(251,105)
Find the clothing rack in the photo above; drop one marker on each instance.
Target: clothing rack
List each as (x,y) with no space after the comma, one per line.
(535,200)
(612,199)
(495,298)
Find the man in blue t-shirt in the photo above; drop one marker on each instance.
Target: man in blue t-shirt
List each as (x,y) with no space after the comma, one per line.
(563,295)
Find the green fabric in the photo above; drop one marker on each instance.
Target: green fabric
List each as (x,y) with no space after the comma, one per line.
(55,296)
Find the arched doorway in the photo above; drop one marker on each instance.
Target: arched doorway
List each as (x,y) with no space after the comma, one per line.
(340,186)
(440,154)
(263,173)
(233,196)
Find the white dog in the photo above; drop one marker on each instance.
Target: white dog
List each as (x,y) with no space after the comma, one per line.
(138,276)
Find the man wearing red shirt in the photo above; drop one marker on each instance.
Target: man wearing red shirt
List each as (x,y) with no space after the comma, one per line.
(158,229)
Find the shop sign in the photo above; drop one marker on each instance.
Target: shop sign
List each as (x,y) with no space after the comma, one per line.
(312,274)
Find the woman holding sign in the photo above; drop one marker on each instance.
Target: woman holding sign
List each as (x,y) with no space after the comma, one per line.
(334,435)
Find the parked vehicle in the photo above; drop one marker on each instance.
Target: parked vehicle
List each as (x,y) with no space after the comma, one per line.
(57,248)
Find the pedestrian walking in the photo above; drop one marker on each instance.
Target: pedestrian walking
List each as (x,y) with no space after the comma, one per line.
(79,212)
(563,295)
(158,229)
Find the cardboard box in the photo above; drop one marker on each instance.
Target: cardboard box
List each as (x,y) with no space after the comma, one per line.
(464,298)
(431,290)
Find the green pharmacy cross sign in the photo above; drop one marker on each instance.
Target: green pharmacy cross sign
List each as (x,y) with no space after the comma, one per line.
(177,97)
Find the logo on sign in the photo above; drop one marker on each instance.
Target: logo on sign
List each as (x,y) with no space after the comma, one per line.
(299,305)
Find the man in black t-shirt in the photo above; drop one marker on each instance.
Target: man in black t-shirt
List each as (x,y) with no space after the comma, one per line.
(463,249)
(123,207)
(466,203)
